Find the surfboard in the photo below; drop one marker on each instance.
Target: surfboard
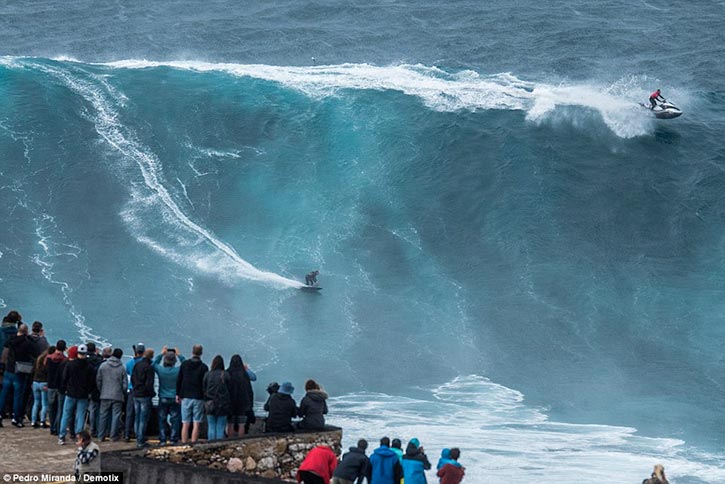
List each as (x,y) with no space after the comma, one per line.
(310,288)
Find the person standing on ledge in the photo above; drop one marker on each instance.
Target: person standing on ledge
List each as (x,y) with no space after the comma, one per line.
(190,394)
(415,463)
(311,278)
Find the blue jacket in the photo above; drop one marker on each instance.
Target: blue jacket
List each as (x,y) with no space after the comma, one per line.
(167,376)
(415,463)
(385,467)
(129,370)
(446,459)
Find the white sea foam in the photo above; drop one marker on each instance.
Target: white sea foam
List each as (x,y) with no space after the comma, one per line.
(504,440)
(188,243)
(441,90)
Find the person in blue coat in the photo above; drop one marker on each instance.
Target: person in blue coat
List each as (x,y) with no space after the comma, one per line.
(385,467)
(415,463)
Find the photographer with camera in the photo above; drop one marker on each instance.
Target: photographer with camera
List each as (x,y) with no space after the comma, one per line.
(281,406)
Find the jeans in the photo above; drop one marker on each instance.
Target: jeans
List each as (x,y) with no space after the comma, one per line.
(169,408)
(40,401)
(73,406)
(130,416)
(16,381)
(55,408)
(215,426)
(110,416)
(142,409)
(94,413)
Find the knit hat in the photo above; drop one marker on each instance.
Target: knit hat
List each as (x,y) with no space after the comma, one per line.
(286,388)
(73,352)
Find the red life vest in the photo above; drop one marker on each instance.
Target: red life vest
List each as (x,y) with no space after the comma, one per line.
(654,95)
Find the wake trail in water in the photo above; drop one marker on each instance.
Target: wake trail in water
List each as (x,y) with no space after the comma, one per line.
(108,126)
(441,90)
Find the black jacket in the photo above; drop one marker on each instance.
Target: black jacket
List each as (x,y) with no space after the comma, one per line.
(313,407)
(20,348)
(216,390)
(142,379)
(240,391)
(54,365)
(282,409)
(95,362)
(190,382)
(77,378)
(354,465)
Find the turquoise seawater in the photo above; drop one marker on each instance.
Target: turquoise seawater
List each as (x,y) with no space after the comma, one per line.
(516,258)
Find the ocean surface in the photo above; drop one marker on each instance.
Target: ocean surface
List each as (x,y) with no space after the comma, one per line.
(517,259)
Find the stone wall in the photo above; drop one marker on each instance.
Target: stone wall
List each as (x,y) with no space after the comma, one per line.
(250,459)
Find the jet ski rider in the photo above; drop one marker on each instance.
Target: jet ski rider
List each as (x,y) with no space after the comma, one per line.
(654,97)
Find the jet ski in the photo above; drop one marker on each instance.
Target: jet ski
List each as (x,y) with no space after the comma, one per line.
(665,110)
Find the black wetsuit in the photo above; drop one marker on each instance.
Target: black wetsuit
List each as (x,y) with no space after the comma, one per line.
(311,278)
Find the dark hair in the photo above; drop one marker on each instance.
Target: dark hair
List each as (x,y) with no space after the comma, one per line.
(51,349)
(61,345)
(91,347)
(455,453)
(217,363)
(397,444)
(273,387)
(385,441)
(84,435)
(13,317)
(311,385)
(170,359)
(37,326)
(362,444)
(118,352)
(197,350)
(236,363)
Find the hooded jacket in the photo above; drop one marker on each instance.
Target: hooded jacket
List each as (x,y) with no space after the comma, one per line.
(354,465)
(282,409)
(111,380)
(385,467)
(313,407)
(54,368)
(95,361)
(321,460)
(446,459)
(190,382)
(216,390)
(78,379)
(415,463)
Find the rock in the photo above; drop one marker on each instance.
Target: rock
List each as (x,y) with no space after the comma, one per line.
(250,464)
(267,463)
(235,465)
(280,446)
(176,458)
(216,465)
(227,453)
(269,474)
(202,462)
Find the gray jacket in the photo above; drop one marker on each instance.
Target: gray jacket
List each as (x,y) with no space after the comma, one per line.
(111,379)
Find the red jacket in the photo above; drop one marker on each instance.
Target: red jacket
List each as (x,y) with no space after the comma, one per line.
(451,474)
(654,95)
(321,460)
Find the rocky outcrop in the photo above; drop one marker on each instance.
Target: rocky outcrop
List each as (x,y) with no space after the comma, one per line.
(273,456)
